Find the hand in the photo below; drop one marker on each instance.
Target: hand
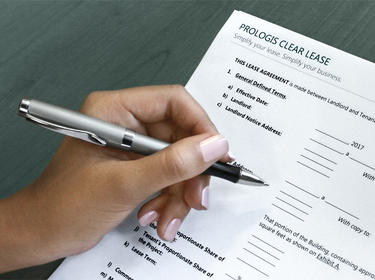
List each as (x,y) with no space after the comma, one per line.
(87,190)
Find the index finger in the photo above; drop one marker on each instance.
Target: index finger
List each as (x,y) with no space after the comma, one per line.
(152,104)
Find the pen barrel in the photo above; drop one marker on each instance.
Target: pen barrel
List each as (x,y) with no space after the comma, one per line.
(99,132)
(146,145)
(113,134)
(224,171)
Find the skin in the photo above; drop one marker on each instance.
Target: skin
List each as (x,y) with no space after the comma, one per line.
(86,190)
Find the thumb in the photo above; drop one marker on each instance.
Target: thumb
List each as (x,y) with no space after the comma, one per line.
(180,161)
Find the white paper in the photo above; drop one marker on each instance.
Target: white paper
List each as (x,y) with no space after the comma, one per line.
(308,132)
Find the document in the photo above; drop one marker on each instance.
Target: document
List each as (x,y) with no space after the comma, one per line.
(299,113)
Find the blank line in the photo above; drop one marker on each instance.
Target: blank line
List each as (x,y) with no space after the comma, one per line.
(325,133)
(313,169)
(364,164)
(320,156)
(316,162)
(324,81)
(230,276)
(292,206)
(296,199)
(252,267)
(294,185)
(268,244)
(288,212)
(328,147)
(341,210)
(259,257)
(263,250)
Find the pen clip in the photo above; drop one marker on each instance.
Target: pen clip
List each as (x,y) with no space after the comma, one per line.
(69,131)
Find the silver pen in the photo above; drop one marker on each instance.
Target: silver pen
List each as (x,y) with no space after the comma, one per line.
(102,133)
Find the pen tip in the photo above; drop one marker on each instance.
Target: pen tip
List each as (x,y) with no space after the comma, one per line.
(247,178)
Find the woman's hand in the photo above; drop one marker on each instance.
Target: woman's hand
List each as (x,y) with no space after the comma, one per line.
(87,190)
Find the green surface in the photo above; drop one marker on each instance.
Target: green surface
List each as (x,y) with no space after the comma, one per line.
(59,51)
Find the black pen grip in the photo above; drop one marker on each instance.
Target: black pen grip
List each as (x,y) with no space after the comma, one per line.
(225,171)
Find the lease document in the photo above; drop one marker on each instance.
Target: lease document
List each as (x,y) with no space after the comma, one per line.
(299,113)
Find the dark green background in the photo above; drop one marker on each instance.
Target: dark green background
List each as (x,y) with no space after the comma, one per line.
(59,51)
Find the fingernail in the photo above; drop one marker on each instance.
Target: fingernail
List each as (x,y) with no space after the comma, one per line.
(204,198)
(172,229)
(214,147)
(148,218)
(231,155)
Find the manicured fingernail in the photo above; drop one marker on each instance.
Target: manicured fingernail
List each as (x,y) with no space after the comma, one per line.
(148,218)
(204,198)
(214,147)
(172,229)
(231,155)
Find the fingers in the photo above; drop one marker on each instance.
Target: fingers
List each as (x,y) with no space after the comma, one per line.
(171,218)
(150,211)
(180,161)
(168,102)
(196,192)
(169,132)
(229,157)
(166,131)
(169,209)
(104,105)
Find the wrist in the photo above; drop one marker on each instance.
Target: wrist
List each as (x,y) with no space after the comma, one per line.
(22,237)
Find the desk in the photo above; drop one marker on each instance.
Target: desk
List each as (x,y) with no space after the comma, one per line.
(59,51)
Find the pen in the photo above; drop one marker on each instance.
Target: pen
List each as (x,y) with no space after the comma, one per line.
(102,133)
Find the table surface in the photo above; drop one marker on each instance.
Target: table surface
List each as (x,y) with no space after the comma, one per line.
(59,51)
